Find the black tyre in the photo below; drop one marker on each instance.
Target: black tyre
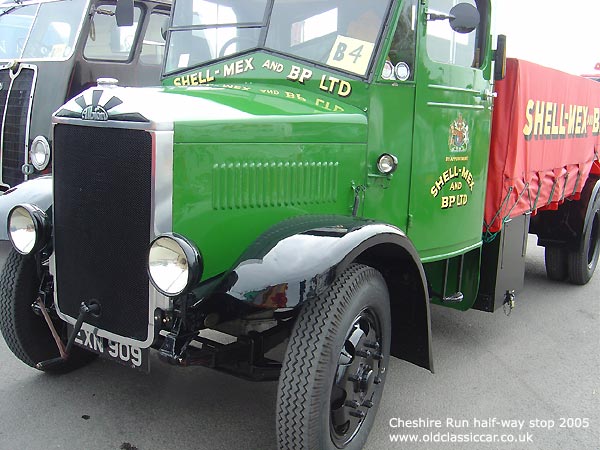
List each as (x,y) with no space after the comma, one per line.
(334,368)
(583,261)
(557,267)
(27,334)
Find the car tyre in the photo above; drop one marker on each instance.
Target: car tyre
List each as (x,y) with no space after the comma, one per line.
(556,259)
(583,261)
(335,365)
(26,334)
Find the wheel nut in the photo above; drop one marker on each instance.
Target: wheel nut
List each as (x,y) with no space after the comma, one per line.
(351,404)
(367,404)
(377,380)
(374,345)
(363,354)
(357,414)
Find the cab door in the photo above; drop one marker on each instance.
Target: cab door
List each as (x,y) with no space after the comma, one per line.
(451,133)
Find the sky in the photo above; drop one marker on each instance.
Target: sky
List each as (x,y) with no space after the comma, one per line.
(561,34)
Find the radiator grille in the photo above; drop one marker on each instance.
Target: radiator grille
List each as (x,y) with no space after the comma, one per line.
(15,100)
(102,223)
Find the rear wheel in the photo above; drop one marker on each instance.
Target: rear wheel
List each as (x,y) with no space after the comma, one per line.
(334,368)
(583,261)
(27,334)
(556,259)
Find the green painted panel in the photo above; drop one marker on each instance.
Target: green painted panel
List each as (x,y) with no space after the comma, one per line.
(276,73)
(226,195)
(391,115)
(456,274)
(450,154)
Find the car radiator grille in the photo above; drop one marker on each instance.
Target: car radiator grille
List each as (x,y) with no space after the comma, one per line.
(15,101)
(102,224)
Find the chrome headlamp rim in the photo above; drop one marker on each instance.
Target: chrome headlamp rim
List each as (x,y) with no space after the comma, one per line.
(193,258)
(402,71)
(41,226)
(43,142)
(388,71)
(387,163)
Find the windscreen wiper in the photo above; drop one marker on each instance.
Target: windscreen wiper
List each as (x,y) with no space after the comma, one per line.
(19,4)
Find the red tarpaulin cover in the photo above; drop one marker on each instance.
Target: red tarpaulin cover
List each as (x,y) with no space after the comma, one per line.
(545,141)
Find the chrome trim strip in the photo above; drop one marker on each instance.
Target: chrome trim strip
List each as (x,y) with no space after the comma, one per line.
(162,202)
(161,218)
(455,105)
(13,76)
(454,89)
(28,123)
(2,129)
(152,126)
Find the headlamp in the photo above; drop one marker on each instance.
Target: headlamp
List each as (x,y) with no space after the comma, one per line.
(28,228)
(387,163)
(40,153)
(174,264)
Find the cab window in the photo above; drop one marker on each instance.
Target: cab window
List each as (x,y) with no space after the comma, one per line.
(107,41)
(403,48)
(447,46)
(153,44)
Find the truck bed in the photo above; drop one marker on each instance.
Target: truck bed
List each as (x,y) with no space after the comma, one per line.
(545,141)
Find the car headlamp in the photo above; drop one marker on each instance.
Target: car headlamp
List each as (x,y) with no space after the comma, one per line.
(28,228)
(387,163)
(388,71)
(174,264)
(40,153)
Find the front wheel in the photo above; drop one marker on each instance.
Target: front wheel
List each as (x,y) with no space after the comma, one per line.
(334,368)
(26,334)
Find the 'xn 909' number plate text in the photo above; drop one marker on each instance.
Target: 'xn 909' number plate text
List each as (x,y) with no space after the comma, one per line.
(128,355)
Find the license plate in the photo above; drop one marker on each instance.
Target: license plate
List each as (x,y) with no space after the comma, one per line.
(125,354)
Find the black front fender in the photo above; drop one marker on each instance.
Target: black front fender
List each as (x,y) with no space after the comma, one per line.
(301,257)
(37,192)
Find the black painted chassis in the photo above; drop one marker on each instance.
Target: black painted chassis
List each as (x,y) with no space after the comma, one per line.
(245,357)
(178,341)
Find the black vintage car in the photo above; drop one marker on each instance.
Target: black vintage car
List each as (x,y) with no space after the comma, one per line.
(50,51)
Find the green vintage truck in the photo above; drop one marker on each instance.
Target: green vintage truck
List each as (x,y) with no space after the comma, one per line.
(311,173)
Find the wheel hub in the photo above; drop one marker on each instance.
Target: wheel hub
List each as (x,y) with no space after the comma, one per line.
(357,378)
(365,380)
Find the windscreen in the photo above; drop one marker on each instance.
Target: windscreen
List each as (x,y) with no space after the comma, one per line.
(341,34)
(40,30)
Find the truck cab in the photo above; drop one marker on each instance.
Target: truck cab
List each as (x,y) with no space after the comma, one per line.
(52,50)
(401,84)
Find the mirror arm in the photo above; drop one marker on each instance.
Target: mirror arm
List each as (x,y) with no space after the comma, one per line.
(431,17)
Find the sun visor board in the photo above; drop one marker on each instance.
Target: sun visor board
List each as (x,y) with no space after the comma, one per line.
(351,54)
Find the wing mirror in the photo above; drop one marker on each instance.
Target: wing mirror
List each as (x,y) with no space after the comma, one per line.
(463,18)
(124,13)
